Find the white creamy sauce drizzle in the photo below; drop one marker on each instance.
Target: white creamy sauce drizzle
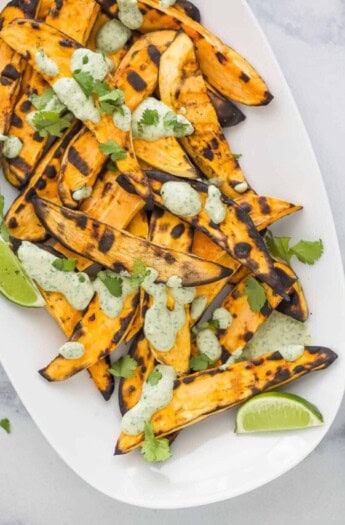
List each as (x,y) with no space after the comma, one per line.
(38,264)
(46,64)
(96,64)
(214,206)
(82,193)
(111,305)
(124,121)
(72,350)
(223,317)
(241,187)
(153,398)
(181,199)
(167,3)
(208,344)
(198,307)
(12,146)
(234,358)
(277,333)
(156,131)
(112,36)
(130,14)
(291,352)
(162,325)
(71,94)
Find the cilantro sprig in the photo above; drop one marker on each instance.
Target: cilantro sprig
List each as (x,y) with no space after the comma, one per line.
(154,378)
(113,149)
(255,293)
(139,273)
(150,117)
(112,102)
(173,123)
(200,362)
(124,367)
(307,252)
(65,265)
(6,425)
(211,324)
(3,228)
(154,450)
(112,282)
(50,123)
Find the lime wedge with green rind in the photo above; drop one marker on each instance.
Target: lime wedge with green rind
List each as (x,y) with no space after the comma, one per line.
(14,283)
(276,411)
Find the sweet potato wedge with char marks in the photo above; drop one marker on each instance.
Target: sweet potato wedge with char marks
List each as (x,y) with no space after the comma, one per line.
(236,235)
(182,85)
(75,18)
(21,218)
(166,155)
(130,388)
(117,249)
(98,333)
(297,307)
(21,37)
(167,230)
(11,64)
(82,162)
(223,67)
(245,322)
(203,394)
(189,9)
(102,378)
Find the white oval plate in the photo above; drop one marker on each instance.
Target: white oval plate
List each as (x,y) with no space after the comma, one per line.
(210,462)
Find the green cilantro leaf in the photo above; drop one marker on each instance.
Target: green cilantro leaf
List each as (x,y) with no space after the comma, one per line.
(139,272)
(212,323)
(154,377)
(50,123)
(85,81)
(171,122)
(85,59)
(255,293)
(237,155)
(112,282)
(112,101)
(100,88)
(154,450)
(200,362)
(123,367)
(3,228)
(40,102)
(307,252)
(150,117)
(6,425)
(65,265)
(111,166)
(113,149)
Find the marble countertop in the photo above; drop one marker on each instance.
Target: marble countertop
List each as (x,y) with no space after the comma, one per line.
(36,487)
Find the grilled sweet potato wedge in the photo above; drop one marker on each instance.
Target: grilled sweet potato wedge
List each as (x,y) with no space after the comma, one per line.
(223,67)
(166,155)
(236,235)
(11,65)
(21,218)
(80,167)
(75,18)
(102,378)
(116,249)
(19,36)
(167,230)
(203,394)
(297,307)
(98,333)
(182,85)
(130,388)
(189,9)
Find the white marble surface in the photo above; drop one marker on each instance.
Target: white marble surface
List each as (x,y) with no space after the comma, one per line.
(36,487)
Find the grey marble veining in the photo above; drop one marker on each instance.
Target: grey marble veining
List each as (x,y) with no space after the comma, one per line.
(37,488)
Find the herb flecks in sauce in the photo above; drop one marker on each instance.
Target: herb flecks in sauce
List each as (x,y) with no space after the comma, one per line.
(72,350)
(130,14)
(181,199)
(208,344)
(71,94)
(12,146)
(112,36)
(45,63)
(214,206)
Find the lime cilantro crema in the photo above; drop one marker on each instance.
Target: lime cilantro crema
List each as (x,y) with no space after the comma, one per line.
(12,146)
(45,63)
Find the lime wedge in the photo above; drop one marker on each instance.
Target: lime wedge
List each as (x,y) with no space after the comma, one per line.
(14,283)
(275,411)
